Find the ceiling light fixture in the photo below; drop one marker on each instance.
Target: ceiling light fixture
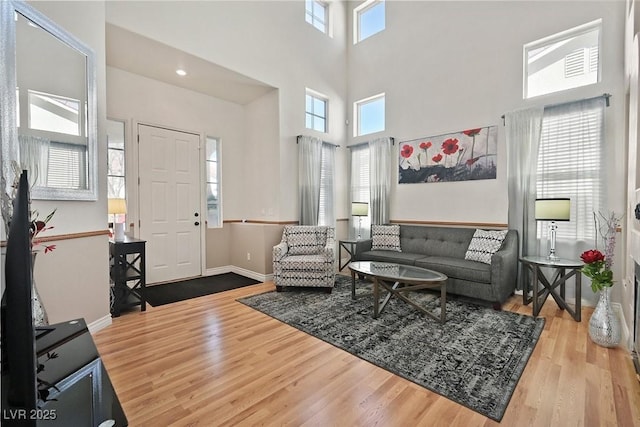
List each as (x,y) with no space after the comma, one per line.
(181,72)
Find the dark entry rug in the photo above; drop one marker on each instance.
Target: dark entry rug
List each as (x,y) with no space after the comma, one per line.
(193,288)
(475,359)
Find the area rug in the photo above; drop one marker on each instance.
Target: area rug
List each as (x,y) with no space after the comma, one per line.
(179,291)
(475,359)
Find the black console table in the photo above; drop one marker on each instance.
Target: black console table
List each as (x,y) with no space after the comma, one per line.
(127,271)
(81,393)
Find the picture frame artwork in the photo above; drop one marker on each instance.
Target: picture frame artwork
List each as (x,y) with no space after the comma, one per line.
(460,156)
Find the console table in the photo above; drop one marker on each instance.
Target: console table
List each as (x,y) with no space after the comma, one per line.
(560,276)
(127,271)
(81,393)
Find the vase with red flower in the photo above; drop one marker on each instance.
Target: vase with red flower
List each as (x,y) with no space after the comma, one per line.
(604,324)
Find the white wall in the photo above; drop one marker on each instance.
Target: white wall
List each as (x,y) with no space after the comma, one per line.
(73,280)
(450,66)
(270,42)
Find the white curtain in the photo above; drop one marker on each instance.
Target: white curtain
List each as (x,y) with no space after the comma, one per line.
(309,171)
(380,179)
(523,129)
(326,209)
(34,157)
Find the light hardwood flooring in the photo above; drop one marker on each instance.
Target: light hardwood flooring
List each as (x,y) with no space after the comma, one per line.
(212,361)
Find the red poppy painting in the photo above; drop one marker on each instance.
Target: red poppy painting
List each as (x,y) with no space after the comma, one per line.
(470,154)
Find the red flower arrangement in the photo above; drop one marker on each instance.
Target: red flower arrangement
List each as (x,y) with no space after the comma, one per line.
(596,269)
(38,226)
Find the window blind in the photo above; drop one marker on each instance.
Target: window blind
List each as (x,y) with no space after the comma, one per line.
(569,162)
(67,165)
(360,181)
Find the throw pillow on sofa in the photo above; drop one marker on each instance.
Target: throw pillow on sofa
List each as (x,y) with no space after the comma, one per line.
(385,237)
(484,244)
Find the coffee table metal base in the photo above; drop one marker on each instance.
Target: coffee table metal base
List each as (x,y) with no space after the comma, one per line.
(397,289)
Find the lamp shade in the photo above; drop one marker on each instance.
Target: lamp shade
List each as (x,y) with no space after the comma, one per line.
(557,209)
(117,206)
(359,209)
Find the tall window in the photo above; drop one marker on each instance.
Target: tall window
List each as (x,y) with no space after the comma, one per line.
(360,184)
(570,160)
(368,19)
(563,61)
(369,114)
(212,165)
(316,14)
(116,188)
(315,111)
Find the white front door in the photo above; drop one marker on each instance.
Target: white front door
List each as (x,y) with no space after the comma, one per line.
(169,203)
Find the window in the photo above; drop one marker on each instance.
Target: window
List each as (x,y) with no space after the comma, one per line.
(369,115)
(212,165)
(360,184)
(116,188)
(316,111)
(54,113)
(368,19)
(570,162)
(326,206)
(316,14)
(563,61)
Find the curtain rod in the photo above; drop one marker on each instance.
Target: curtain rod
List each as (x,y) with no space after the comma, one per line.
(324,142)
(606,97)
(393,140)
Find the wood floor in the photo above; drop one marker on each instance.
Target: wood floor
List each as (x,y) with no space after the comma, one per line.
(212,361)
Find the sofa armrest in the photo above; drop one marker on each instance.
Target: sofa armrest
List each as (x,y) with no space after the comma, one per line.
(504,267)
(280,250)
(362,246)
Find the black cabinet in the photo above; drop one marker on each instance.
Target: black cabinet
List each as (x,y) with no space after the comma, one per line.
(79,391)
(127,271)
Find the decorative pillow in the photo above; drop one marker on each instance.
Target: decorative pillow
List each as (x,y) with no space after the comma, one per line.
(484,244)
(305,240)
(386,237)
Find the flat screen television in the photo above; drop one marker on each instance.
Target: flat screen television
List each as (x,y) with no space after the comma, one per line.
(19,362)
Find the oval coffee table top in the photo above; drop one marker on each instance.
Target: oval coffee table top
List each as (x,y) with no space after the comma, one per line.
(396,272)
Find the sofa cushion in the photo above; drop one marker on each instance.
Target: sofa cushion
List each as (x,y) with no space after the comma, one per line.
(457,268)
(435,241)
(484,244)
(391,256)
(305,240)
(385,237)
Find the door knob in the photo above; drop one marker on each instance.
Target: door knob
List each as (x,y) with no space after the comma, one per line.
(196,223)
(195,214)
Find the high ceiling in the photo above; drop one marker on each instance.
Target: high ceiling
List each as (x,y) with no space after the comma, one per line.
(137,54)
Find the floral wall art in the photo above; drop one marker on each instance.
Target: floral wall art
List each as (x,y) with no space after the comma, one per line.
(461,156)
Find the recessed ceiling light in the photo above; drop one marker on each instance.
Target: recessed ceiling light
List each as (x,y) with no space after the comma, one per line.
(181,72)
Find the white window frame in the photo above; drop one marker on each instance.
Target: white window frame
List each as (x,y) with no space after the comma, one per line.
(313,114)
(565,36)
(357,113)
(361,10)
(111,148)
(217,182)
(360,186)
(311,17)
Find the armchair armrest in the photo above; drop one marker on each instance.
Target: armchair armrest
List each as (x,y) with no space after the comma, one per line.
(280,251)
(330,248)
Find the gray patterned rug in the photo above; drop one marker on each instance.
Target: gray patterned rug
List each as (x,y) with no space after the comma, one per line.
(475,358)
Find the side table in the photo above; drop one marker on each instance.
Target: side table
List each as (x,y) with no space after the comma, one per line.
(349,245)
(549,286)
(127,271)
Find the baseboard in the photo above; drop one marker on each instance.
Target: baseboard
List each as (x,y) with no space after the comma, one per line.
(99,324)
(241,271)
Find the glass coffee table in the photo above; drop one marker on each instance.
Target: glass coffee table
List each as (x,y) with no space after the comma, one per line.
(398,279)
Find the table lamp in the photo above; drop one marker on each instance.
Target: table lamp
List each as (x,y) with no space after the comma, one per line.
(557,209)
(359,209)
(117,207)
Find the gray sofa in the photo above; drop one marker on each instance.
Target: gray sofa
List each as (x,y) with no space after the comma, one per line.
(443,249)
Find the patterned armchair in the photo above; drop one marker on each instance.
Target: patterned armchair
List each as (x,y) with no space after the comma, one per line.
(305,257)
